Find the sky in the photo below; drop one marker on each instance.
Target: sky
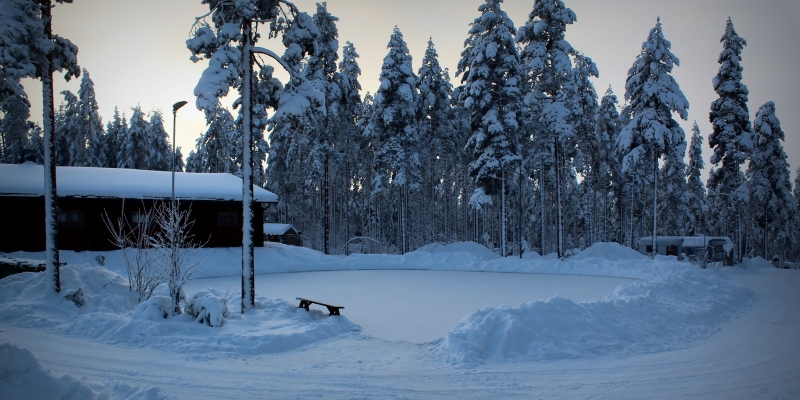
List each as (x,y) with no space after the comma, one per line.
(135,52)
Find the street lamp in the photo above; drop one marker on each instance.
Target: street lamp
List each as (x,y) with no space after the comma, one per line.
(175,108)
(705,244)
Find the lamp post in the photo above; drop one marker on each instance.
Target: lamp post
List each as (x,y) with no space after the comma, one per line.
(705,245)
(175,108)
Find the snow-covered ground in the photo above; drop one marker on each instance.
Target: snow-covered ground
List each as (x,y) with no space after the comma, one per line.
(450,321)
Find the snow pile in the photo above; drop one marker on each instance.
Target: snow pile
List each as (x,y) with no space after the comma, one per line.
(110,315)
(647,316)
(474,249)
(22,377)
(609,251)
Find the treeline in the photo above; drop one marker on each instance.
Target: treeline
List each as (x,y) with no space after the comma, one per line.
(81,139)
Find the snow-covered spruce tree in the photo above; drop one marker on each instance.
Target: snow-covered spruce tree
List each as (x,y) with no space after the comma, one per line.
(321,71)
(695,189)
(14,126)
(214,150)
(394,134)
(436,132)
(136,152)
(36,143)
(771,203)
(587,162)
(229,45)
(491,74)
(731,139)
(157,143)
(350,136)
(114,139)
(545,54)
(87,148)
(654,95)
(66,127)
(673,207)
(609,181)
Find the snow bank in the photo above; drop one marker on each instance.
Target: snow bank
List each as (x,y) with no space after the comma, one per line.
(110,315)
(647,316)
(22,377)
(609,251)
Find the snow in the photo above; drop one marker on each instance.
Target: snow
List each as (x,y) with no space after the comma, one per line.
(27,180)
(20,371)
(277,229)
(607,322)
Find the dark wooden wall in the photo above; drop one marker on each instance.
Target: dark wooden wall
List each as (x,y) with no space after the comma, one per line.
(22,222)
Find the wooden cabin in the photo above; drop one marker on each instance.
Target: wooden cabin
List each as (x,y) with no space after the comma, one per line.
(282,233)
(86,194)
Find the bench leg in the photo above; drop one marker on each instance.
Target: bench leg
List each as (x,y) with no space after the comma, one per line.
(333,311)
(304,304)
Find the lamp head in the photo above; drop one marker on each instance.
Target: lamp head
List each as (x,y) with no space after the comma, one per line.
(178,105)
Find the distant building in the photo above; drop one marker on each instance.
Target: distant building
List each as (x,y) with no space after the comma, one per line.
(86,194)
(282,233)
(717,248)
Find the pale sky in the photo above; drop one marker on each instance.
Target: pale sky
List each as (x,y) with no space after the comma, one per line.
(135,51)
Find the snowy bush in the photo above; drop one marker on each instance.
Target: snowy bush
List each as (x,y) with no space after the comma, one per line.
(208,308)
(157,307)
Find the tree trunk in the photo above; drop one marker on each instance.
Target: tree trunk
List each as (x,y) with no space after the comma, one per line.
(248,265)
(541,206)
(326,208)
(50,187)
(558,199)
(655,204)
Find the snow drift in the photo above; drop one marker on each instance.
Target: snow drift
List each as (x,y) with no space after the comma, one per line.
(110,315)
(659,314)
(22,377)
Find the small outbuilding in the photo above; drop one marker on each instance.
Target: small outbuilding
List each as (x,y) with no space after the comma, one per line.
(86,195)
(718,248)
(282,233)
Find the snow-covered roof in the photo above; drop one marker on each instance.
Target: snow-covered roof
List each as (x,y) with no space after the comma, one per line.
(687,241)
(28,180)
(278,229)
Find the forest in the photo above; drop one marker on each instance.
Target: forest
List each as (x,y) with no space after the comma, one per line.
(516,150)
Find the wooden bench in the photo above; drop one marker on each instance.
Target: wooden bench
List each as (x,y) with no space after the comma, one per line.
(332,309)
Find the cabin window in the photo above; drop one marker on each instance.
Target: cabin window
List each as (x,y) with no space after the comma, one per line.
(227,219)
(141,218)
(649,248)
(70,218)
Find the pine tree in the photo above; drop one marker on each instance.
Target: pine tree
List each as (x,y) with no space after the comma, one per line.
(654,95)
(771,201)
(68,128)
(36,143)
(215,149)
(695,189)
(137,152)
(88,139)
(230,49)
(157,143)
(546,55)
(731,138)
(587,162)
(114,139)
(490,65)
(436,131)
(609,179)
(393,130)
(14,126)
